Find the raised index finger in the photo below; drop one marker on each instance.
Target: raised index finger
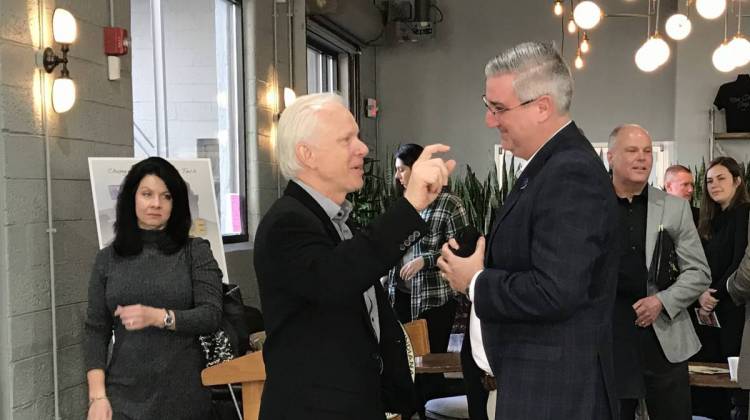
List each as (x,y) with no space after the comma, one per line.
(431,149)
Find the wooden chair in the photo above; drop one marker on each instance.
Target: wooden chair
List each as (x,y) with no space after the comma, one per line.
(417,332)
(247,370)
(250,371)
(420,342)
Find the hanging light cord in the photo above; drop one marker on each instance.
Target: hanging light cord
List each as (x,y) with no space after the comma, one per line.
(739,17)
(726,17)
(656,24)
(562,34)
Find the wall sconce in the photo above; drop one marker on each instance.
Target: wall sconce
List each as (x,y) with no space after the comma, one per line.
(289,97)
(65,31)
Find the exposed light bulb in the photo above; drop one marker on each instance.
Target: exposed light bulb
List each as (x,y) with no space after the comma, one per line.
(710,9)
(722,58)
(587,14)
(63,94)
(740,49)
(578,61)
(585,46)
(558,9)
(64,27)
(678,26)
(572,28)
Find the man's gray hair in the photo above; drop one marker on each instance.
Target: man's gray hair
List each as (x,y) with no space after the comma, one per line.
(299,122)
(613,135)
(539,70)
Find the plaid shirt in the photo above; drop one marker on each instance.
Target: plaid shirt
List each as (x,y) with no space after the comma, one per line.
(445,216)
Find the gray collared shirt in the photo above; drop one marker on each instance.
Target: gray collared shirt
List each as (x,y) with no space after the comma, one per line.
(339,215)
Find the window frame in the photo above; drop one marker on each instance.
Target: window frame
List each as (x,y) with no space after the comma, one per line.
(327,37)
(237,100)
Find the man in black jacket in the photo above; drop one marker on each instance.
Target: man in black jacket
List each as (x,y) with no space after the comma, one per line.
(334,349)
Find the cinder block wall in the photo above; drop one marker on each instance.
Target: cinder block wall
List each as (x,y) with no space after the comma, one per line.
(262,85)
(100,124)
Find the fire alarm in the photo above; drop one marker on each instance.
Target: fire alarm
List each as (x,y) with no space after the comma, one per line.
(371,105)
(115,41)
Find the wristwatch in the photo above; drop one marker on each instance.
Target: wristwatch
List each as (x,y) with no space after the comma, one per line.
(168,319)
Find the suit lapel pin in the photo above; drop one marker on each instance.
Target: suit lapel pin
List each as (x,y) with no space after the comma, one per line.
(523,182)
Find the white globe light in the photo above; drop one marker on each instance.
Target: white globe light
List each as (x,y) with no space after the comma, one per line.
(740,48)
(659,49)
(587,14)
(644,58)
(678,26)
(722,58)
(63,94)
(289,97)
(64,27)
(710,9)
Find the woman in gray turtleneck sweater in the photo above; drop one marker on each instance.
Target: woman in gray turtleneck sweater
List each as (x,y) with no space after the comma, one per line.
(156,290)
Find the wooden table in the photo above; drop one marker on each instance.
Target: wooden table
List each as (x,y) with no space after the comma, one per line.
(438,363)
(451,362)
(717,380)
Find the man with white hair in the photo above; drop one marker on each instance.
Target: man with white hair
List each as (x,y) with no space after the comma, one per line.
(542,294)
(334,349)
(653,334)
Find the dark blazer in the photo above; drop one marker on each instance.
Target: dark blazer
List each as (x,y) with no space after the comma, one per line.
(738,286)
(322,358)
(546,296)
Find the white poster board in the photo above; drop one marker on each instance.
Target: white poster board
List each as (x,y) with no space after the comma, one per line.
(107,175)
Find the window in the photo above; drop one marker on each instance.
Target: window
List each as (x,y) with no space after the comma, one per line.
(662,150)
(322,71)
(187,93)
(332,62)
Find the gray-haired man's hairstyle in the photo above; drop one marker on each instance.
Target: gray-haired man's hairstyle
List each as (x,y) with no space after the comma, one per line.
(298,122)
(539,70)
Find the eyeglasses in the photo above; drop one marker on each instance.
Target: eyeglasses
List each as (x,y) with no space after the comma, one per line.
(496,110)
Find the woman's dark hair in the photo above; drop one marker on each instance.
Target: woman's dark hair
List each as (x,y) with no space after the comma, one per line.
(127,233)
(408,153)
(709,207)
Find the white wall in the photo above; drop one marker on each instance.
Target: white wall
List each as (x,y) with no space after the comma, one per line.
(431,91)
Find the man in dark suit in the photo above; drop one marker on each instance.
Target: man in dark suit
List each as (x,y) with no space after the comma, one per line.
(543,292)
(738,286)
(334,349)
